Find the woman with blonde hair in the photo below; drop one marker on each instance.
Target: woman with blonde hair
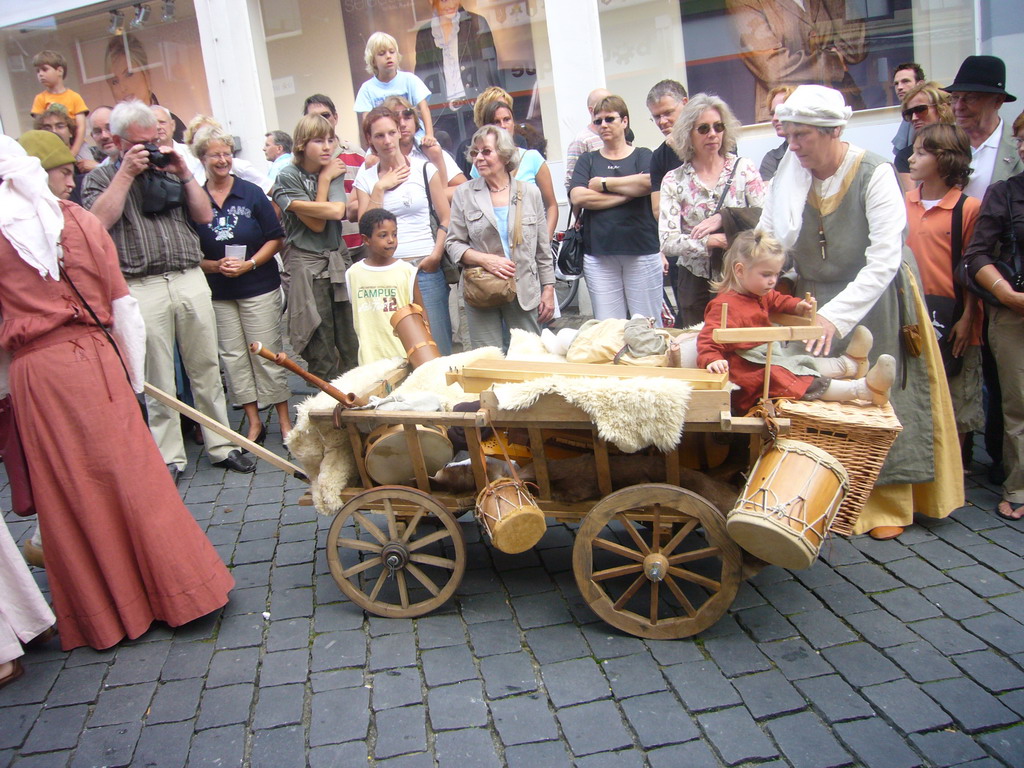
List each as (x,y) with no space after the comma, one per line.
(693,196)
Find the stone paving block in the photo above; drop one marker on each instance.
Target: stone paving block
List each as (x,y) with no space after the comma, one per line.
(947,636)
(440,631)
(947,747)
(523,719)
(922,662)
(276,747)
(736,736)
(187,660)
(507,675)
(240,600)
(995,557)
(261,529)
(283,667)
(45,760)
(217,747)
(381,625)
(593,727)
(540,611)
(290,577)
(259,551)
(139,663)
(905,705)
(727,625)
(279,705)
(34,687)
(869,577)
(74,685)
(951,531)
(457,706)
(1008,744)
(544,753)
(291,603)
(548,644)
(416,760)
(489,606)
(293,553)
(287,635)
(111,745)
(768,693)
(973,708)
(917,534)
(818,575)
(907,604)
(300,532)
(446,665)
(251,574)
(834,698)
(495,637)
(336,678)
(942,555)
(1007,537)
(955,601)
(881,629)
(225,706)
(338,716)
(241,631)
(768,576)
(125,704)
(692,754)
(175,700)
(337,617)
(999,630)
(574,682)
(701,686)
(634,675)
(400,731)
(396,688)
(844,599)
(164,744)
(1014,700)
(736,655)
(796,659)
(747,597)
(608,642)
(527,581)
(916,572)
(806,743)
(466,747)
(790,597)
(333,650)
(479,582)
(658,719)
(623,758)
(1011,605)
(765,623)
(982,581)
(880,551)
(669,652)
(876,744)
(860,664)
(839,551)
(350,755)
(991,671)
(822,628)
(17,722)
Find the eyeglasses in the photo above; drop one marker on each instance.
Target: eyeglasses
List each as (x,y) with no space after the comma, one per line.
(607,120)
(486,152)
(705,128)
(220,156)
(920,109)
(406,113)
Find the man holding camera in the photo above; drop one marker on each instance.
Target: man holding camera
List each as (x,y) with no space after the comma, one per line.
(145,197)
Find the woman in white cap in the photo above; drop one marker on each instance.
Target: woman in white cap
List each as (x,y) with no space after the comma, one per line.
(840,212)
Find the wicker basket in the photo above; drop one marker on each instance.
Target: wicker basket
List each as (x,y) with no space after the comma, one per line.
(858,435)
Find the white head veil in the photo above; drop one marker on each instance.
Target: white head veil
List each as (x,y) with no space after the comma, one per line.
(810,105)
(30,214)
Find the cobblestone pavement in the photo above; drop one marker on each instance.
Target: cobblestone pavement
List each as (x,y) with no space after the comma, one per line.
(884,654)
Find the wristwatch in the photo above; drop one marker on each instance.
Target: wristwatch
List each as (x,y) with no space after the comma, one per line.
(604,184)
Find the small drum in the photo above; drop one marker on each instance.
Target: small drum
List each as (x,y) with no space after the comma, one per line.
(788,504)
(387,453)
(411,328)
(510,516)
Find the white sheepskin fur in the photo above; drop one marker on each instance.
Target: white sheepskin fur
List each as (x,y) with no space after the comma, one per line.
(631,414)
(430,377)
(530,347)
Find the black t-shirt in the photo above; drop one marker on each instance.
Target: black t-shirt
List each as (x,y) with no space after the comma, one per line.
(663,160)
(625,230)
(902,161)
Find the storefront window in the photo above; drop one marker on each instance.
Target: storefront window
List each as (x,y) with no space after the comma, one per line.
(158,60)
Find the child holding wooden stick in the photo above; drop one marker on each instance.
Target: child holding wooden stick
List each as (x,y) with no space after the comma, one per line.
(751,269)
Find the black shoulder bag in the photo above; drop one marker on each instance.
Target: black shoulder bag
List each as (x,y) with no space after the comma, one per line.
(1009,269)
(946,311)
(451,271)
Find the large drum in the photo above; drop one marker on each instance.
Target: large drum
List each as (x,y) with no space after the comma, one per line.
(387,453)
(788,504)
(510,516)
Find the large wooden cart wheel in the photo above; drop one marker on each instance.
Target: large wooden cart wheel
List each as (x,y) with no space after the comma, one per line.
(644,567)
(389,558)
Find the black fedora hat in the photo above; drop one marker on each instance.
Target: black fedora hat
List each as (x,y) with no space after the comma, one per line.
(981,74)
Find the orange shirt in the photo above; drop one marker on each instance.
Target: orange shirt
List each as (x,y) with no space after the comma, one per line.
(74,103)
(928,237)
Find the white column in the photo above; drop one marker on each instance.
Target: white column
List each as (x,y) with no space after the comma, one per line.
(237,71)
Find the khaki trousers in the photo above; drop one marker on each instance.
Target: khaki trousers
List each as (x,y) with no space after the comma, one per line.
(240,322)
(1005,331)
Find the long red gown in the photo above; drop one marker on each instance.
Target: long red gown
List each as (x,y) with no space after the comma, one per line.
(120,547)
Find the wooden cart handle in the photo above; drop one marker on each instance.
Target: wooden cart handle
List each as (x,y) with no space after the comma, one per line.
(347,400)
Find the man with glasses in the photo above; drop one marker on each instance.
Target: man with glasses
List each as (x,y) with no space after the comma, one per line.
(319,104)
(906,76)
(99,130)
(978,91)
(665,102)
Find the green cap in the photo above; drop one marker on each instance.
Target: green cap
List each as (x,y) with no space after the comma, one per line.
(48,147)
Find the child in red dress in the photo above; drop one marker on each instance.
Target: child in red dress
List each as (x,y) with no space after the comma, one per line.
(751,269)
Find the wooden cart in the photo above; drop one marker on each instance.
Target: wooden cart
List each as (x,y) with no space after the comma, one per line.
(653,560)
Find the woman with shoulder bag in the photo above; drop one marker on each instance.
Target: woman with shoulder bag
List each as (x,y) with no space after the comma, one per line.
(499,235)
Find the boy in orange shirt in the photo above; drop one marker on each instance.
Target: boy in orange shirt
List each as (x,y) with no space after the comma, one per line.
(51,69)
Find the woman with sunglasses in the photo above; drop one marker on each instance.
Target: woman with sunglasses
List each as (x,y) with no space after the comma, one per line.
(429,151)
(711,178)
(621,263)
(409,188)
(924,104)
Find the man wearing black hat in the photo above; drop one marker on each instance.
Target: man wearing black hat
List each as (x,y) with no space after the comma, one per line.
(978,91)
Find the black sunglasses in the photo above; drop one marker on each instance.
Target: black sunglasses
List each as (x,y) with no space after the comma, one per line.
(406,113)
(705,128)
(920,109)
(607,119)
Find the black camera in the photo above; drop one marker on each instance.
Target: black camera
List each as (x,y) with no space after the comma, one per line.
(160,192)
(156,158)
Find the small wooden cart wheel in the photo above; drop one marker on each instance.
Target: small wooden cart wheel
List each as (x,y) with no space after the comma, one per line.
(663,580)
(393,564)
